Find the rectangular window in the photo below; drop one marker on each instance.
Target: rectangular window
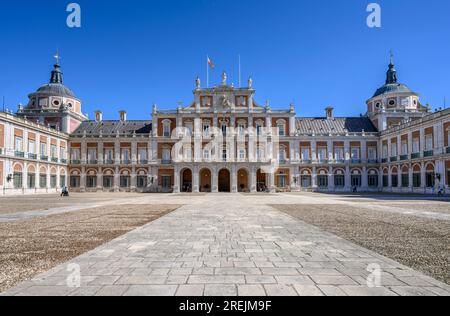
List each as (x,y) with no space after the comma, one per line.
(124,181)
(91,181)
(141,182)
(62,181)
(43,149)
(355,152)
(305,181)
(339,180)
(416,146)
(53,181)
(429,142)
(394,180)
(385,151)
(166,130)
(372,153)
(53,151)
(242,154)
(166,182)
(19,144)
(206,130)
(92,155)
(42,181)
(31,147)
(322,153)
(281,130)
(206,154)
(75,181)
(108,182)
(417,180)
(75,154)
(385,181)
(356,180)
(305,153)
(339,153)
(430,179)
(142,156)
(125,155)
(394,150)
(224,155)
(322,181)
(405,180)
(62,153)
(258,129)
(109,156)
(31,181)
(17,180)
(373,181)
(404,148)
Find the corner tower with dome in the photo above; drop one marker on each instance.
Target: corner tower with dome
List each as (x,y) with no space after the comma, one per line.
(394,103)
(54,104)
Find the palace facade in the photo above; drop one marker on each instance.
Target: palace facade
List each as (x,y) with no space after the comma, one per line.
(225,141)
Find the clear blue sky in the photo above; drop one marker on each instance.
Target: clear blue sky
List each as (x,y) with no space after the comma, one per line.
(129,54)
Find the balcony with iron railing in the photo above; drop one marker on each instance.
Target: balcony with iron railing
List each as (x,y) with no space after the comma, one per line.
(393,159)
(75,162)
(339,161)
(92,161)
(415,155)
(142,161)
(306,161)
(32,156)
(323,161)
(126,162)
(63,160)
(355,161)
(372,161)
(447,150)
(54,159)
(44,158)
(384,160)
(169,161)
(428,153)
(19,154)
(109,161)
(404,157)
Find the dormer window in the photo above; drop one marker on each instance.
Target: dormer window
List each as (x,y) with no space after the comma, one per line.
(392,103)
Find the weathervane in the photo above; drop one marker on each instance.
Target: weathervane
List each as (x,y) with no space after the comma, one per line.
(57,57)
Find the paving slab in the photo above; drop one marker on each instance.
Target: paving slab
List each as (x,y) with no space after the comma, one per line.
(230,245)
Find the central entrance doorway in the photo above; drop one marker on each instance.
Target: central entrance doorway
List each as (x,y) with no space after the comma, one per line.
(224,181)
(186,180)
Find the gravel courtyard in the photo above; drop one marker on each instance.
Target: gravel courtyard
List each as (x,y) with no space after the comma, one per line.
(230,244)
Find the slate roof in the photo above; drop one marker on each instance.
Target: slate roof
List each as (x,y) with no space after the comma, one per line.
(338,125)
(111,128)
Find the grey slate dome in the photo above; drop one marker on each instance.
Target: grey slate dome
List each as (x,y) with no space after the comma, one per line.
(56,86)
(392,88)
(392,85)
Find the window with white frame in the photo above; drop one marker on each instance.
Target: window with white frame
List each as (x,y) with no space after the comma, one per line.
(109,155)
(224,128)
(242,154)
(428,142)
(166,154)
(31,146)
(206,154)
(125,155)
(404,147)
(385,151)
(394,150)
(190,127)
(92,154)
(355,152)
(187,150)
(416,146)
(206,129)
(281,125)
(53,151)
(43,149)
(322,153)
(260,154)
(372,153)
(339,153)
(166,128)
(62,152)
(259,126)
(142,154)
(241,128)
(19,143)
(305,152)
(224,154)
(75,154)
(282,153)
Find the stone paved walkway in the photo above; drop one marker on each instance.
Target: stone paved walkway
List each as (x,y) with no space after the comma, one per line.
(227,245)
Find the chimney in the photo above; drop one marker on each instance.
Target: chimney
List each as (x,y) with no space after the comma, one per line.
(98,116)
(123,116)
(329,111)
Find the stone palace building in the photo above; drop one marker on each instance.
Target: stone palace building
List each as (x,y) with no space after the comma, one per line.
(225,141)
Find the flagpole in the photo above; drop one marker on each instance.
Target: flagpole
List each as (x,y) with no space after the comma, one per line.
(207,71)
(240,71)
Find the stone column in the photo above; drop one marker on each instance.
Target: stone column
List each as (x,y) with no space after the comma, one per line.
(364,151)
(313,151)
(314,178)
(348,178)
(422,142)
(234,185)
(196,180)
(330,179)
(347,150)
(101,155)
(100,179)
(116,180)
(176,187)
(214,180)
(253,179)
